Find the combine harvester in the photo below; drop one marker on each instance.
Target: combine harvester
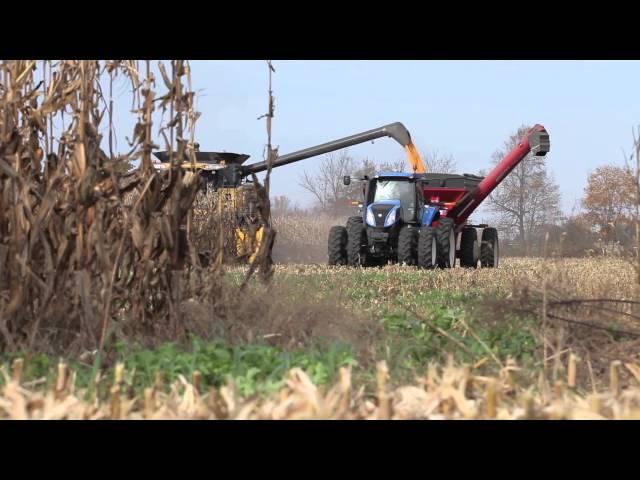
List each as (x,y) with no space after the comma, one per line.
(421,218)
(414,218)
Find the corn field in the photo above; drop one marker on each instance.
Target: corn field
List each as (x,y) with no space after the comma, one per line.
(89,248)
(98,246)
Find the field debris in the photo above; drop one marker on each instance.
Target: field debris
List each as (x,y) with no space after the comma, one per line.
(451,392)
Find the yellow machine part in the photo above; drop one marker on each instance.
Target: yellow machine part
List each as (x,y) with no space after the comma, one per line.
(197,166)
(246,245)
(236,200)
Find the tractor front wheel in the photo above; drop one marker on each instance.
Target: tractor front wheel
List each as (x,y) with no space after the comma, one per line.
(407,244)
(352,220)
(338,246)
(356,241)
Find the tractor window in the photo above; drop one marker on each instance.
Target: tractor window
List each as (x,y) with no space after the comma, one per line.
(395,190)
(398,190)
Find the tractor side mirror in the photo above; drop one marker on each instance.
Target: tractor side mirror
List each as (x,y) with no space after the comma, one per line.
(346,180)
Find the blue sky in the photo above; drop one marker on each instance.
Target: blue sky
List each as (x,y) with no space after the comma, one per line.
(466,108)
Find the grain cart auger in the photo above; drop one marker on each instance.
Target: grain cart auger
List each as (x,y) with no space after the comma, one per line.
(421,219)
(227,177)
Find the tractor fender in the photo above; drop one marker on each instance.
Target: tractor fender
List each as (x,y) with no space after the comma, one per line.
(429,214)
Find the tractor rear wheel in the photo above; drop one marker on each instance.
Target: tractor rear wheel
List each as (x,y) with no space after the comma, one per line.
(427,248)
(446,238)
(407,245)
(489,251)
(469,248)
(356,240)
(338,246)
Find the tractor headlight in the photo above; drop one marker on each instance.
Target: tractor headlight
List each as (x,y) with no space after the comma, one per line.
(391,218)
(371,220)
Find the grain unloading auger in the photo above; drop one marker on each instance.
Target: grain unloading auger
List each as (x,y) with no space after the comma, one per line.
(225,174)
(421,218)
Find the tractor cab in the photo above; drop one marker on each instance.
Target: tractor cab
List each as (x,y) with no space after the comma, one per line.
(392,199)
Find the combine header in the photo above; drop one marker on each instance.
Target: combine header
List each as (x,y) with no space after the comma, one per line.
(421,218)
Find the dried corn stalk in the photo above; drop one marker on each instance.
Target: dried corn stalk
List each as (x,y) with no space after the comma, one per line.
(88,248)
(456,394)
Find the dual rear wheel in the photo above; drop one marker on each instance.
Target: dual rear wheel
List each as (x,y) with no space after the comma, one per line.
(437,247)
(426,247)
(483,250)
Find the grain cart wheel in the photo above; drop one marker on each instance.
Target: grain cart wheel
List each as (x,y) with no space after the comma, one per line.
(446,239)
(338,246)
(427,248)
(469,248)
(489,251)
(407,245)
(356,240)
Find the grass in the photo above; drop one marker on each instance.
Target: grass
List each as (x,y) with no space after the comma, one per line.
(416,317)
(407,343)
(256,369)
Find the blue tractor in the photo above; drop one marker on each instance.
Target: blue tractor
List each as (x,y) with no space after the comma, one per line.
(388,229)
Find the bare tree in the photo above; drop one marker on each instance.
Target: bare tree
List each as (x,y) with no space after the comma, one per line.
(399,165)
(527,199)
(437,162)
(434,161)
(635,172)
(365,168)
(326,185)
(281,205)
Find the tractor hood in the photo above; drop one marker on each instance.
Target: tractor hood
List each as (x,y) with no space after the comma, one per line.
(383,213)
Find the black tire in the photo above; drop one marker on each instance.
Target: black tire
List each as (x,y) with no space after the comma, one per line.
(427,248)
(407,245)
(381,262)
(489,249)
(370,261)
(356,240)
(351,220)
(446,240)
(338,246)
(469,248)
